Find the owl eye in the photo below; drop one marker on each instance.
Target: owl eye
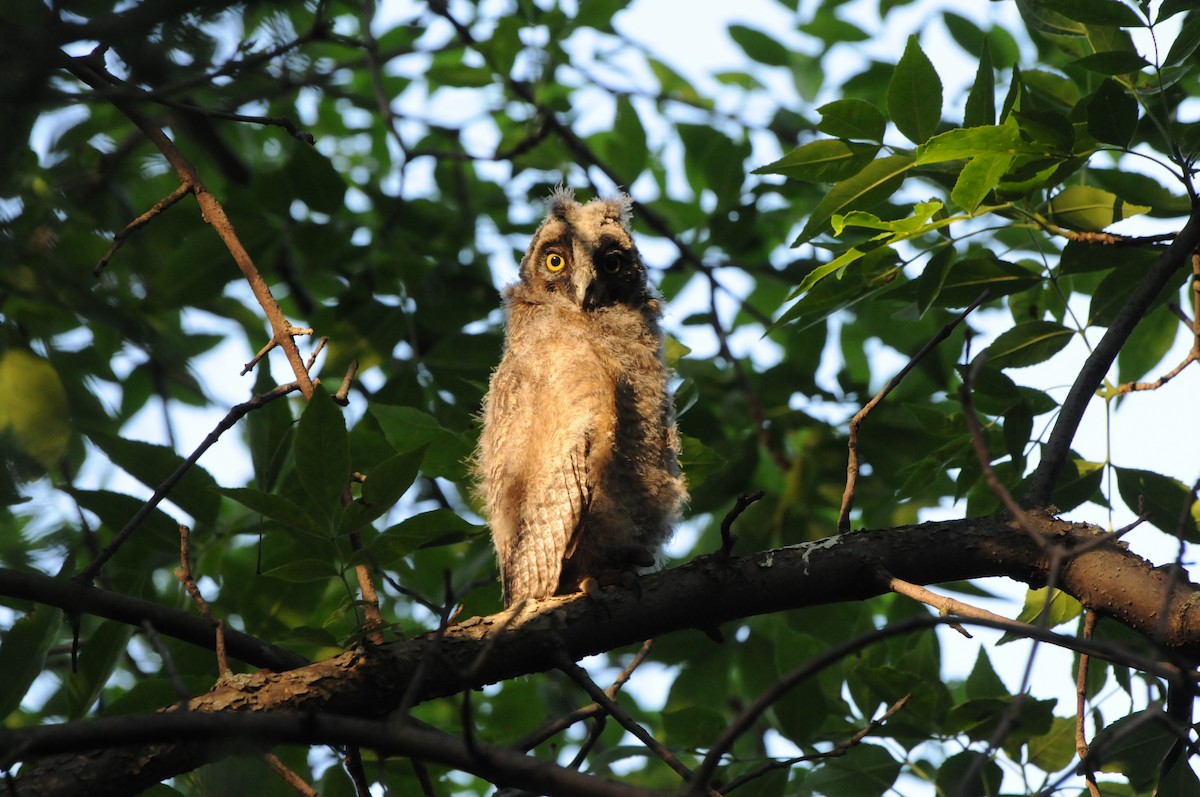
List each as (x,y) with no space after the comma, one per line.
(613,262)
(555,262)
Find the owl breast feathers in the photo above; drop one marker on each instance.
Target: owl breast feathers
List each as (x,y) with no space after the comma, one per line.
(578,462)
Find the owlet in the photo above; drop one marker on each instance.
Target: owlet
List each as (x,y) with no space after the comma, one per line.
(578,462)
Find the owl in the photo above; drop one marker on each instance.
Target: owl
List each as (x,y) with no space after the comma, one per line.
(578,460)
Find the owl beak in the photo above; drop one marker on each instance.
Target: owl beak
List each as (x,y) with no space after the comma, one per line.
(586,288)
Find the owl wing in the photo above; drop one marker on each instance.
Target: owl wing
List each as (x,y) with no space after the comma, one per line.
(554,507)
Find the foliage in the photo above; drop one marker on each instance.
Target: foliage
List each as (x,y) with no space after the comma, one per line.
(383,168)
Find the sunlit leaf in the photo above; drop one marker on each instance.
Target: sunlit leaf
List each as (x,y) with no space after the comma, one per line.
(1082,207)
(875,183)
(852,118)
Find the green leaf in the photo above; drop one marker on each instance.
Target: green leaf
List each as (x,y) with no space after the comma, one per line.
(384,485)
(1185,43)
(1096,12)
(1113,62)
(1055,750)
(426,530)
(970,276)
(278,508)
(196,493)
(852,118)
(981,100)
(1028,344)
(914,95)
(1079,482)
(698,461)
(1082,207)
(1112,114)
(983,681)
(867,770)
(1135,745)
(310,177)
(822,161)
(322,453)
(985,775)
(875,183)
(1150,341)
(759,46)
(23,654)
(1163,498)
(979,178)
(1060,609)
(300,571)
(35,415)
(972,142)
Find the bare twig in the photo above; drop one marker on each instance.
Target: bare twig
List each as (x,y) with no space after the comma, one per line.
(728,539)
(592,710)
(860,416)
(91,71)
(1081,745)
(184,574)
(1054,454)
(168,662)
(289,777)
(141,221)
(580,676)
(89,573)
(838,750)
(341,397)
(945,605)
(979,443)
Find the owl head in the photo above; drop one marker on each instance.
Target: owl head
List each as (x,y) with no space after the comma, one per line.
(584,254)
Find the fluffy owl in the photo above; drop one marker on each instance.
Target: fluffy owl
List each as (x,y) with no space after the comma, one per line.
(578,461)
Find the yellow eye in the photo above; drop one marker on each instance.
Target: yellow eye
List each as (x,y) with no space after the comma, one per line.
(555,262)
(612,263)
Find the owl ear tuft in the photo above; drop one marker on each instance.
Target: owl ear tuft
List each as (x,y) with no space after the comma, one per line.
(620,208)
(561,198)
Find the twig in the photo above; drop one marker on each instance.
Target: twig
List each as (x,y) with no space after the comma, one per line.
(979,444)
(945,605)
(1057,448)
(184,574)
(92,72)
(168,662)
(838,750)
(89,573)
(580,676)
(860,416)
(556,726)
(728,539)
(341,397)
(1081,745)
(289,777)
(141,221)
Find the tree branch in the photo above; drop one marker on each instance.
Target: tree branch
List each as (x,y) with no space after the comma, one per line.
(1058,446)
(709,590)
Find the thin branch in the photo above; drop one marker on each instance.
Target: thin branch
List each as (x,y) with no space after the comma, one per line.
(184,574)
(860,416)
(141,221)
(945,605)
(1081,745)
(289,777)
(728,539)
(89,573)
(91,71)
(838,750)
(168,661)
(556,726)
(1057,448)
(71,596)
(580,677)
(979,444)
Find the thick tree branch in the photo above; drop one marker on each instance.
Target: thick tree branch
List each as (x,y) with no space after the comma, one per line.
(709,590)
(1058,446)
